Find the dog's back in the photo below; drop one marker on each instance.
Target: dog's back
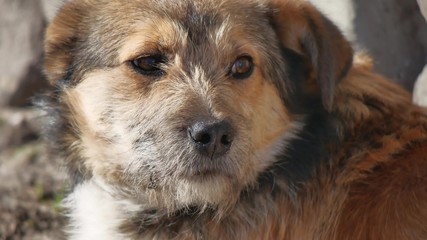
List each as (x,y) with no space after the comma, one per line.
(385,158)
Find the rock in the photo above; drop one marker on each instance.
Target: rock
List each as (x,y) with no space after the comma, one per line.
(423,7)
(50,8)
(22,26)
(395,33)
(341,12)
(420,89)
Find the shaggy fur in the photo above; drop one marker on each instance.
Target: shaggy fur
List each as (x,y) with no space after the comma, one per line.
(323,148)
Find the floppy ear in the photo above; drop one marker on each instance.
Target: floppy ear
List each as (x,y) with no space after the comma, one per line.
(61,38)
(306,35)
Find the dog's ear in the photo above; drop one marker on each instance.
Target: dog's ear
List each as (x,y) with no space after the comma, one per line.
(306,35)
(61,38)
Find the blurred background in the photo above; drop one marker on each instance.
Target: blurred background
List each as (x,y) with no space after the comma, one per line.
(32,181)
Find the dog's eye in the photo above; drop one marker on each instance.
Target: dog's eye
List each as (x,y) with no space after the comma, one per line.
(149,65)
(242,67)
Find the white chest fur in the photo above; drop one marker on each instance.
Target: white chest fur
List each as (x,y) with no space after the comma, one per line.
(94,214)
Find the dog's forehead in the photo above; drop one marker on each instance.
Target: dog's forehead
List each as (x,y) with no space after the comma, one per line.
(206,11)
(200,25)
(200,17)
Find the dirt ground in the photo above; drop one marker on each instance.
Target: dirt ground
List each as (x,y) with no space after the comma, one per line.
(32,181)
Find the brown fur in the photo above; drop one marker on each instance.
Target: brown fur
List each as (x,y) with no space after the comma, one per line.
(324,147)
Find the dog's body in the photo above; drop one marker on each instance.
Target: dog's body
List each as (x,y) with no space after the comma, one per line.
(203,119)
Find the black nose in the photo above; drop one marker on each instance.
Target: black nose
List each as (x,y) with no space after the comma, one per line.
(212,139)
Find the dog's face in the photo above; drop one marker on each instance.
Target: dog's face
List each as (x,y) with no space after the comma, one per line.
(181,102)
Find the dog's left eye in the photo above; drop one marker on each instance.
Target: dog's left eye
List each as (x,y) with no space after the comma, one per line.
(242,67)
(149,65)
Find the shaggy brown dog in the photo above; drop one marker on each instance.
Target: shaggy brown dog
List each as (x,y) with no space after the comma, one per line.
(229,119)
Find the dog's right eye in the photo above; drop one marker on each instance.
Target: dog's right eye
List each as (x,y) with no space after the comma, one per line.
(149,65)
(242,67)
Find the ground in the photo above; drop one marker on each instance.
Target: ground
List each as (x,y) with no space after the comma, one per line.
(32,181)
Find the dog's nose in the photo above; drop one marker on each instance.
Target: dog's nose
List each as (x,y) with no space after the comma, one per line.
(212,139)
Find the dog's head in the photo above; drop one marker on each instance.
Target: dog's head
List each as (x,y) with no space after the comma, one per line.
(185,103)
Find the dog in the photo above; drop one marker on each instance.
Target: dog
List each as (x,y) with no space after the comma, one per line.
(228,119)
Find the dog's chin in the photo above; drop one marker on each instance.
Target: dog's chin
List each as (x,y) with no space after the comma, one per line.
(203,190)
(207,190)
(210,184)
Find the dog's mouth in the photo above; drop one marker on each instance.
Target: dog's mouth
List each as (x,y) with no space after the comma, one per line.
(208,170)
(205,174)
